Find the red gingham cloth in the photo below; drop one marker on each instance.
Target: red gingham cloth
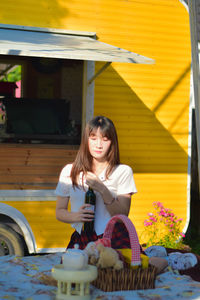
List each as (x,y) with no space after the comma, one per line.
(120,238)
(133,237)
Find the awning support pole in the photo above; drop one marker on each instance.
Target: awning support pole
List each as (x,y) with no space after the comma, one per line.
(99,72)
(196,74)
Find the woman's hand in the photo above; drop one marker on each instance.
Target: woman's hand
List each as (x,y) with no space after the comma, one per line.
(117,205)
(84,214)
(94,182)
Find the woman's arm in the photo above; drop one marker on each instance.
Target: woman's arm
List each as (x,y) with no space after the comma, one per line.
(66,216)
(115,205)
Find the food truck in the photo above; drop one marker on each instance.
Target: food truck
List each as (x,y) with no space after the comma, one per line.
(67,76)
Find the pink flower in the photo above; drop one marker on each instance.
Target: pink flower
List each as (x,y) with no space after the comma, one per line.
(182,234)
(153,219)
(146,223)
(163,216)
(150,214)
(161,213)
(166,215)
(158,204)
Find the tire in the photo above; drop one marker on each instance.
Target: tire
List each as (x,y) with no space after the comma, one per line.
(10,242)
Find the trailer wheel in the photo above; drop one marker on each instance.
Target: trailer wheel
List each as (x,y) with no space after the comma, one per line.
(10,242)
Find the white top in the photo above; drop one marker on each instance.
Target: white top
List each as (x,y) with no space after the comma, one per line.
(120,182)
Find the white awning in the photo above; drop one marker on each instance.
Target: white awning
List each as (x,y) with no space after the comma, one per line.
(52,43)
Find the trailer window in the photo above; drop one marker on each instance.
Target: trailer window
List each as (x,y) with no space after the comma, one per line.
(10,86)
(49,107)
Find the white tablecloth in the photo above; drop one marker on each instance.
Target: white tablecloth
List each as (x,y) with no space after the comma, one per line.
(20,278)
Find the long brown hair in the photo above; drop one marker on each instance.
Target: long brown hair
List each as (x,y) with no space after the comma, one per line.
(83,160)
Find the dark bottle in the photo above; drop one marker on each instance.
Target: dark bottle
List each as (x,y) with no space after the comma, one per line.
(90,198)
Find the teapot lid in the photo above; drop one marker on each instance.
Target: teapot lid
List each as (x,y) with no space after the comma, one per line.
(75,250)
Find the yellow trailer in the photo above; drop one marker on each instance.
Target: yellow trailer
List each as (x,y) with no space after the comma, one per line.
(149,103)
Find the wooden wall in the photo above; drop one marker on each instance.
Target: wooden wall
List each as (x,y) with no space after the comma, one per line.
(33,166)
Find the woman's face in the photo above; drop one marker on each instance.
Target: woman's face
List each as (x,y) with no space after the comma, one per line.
(98,145)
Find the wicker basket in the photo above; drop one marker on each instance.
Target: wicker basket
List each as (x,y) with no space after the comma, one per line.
(109,280)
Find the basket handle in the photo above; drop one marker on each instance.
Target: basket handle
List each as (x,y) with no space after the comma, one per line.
(134,241)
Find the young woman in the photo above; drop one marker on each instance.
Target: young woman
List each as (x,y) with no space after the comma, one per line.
(97,165)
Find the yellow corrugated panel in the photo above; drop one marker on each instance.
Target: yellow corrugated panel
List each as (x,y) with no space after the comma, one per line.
(170,189)
(148,103)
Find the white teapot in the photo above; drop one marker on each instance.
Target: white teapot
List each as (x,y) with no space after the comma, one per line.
(75,259)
